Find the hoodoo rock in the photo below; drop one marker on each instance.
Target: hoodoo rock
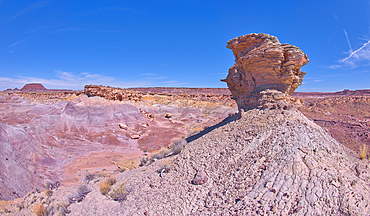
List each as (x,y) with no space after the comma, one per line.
(33,87)
(264,68)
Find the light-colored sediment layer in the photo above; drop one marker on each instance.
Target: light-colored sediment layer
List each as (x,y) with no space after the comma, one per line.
(268,162)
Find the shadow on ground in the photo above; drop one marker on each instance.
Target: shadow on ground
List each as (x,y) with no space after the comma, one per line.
(227,120)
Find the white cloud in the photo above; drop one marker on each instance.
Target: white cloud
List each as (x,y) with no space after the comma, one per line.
(16,43)
(152,76)
(362,53)
(27,9)
(77,81)
(349,43)
(356,58)
(68,80)
(335,66)
(172,83)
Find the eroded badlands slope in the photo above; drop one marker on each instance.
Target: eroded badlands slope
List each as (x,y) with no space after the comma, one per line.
(61,139)
(274,162)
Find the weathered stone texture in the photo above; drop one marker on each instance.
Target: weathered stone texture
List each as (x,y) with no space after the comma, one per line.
(200,178)
(262,63)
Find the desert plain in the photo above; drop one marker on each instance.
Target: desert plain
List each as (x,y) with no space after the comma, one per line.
(255,148)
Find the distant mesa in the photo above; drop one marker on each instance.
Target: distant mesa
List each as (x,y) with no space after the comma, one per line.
(33,87)
(265,71)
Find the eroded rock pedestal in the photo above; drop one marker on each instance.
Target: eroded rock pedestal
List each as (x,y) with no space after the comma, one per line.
(264,68)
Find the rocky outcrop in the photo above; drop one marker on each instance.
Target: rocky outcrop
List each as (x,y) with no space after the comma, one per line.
(111,93)
(263,63)
(33,87)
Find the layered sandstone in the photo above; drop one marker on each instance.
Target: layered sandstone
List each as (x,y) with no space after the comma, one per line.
(111,93)
(262,63)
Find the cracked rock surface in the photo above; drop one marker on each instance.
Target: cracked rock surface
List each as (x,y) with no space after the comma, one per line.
(268,162)
(290,166)
(263,63)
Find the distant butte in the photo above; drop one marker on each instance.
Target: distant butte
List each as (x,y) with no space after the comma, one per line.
(34,87)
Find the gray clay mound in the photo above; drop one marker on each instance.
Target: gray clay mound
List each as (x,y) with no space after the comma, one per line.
(269,162)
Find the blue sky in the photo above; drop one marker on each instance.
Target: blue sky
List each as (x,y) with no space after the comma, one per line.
(68,44)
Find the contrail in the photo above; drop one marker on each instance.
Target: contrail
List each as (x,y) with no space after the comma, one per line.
(359,49)
(349,44)
(17,43)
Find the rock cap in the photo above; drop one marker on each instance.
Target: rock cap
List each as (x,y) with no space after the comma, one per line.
(263,63)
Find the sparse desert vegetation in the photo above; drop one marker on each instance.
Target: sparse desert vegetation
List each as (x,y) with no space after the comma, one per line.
(174,148)
(128,164)
(165,166)
(39,210)
(80,194)
(118,192)
(62,209)
(177,145)
(106,185)
(363,151)
(89,177)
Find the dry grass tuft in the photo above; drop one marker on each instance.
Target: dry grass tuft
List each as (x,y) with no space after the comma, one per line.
(165,166)
(106,184)
(128,164)
(196,130)
(161,153)
(39,210)
(177,145)
(118,192)
(363,151)
(175,148)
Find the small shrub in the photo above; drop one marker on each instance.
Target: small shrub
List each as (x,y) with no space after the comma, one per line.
(143,161)
(89,177)
(177,146)
(105,185)
(127,164)
(62,209)
(363,151)
(82,191)
(118,192)
(39,210)
(161,153)
(80,194)
(165,166)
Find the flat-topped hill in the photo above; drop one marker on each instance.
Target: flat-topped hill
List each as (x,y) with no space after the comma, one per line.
(33,87)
